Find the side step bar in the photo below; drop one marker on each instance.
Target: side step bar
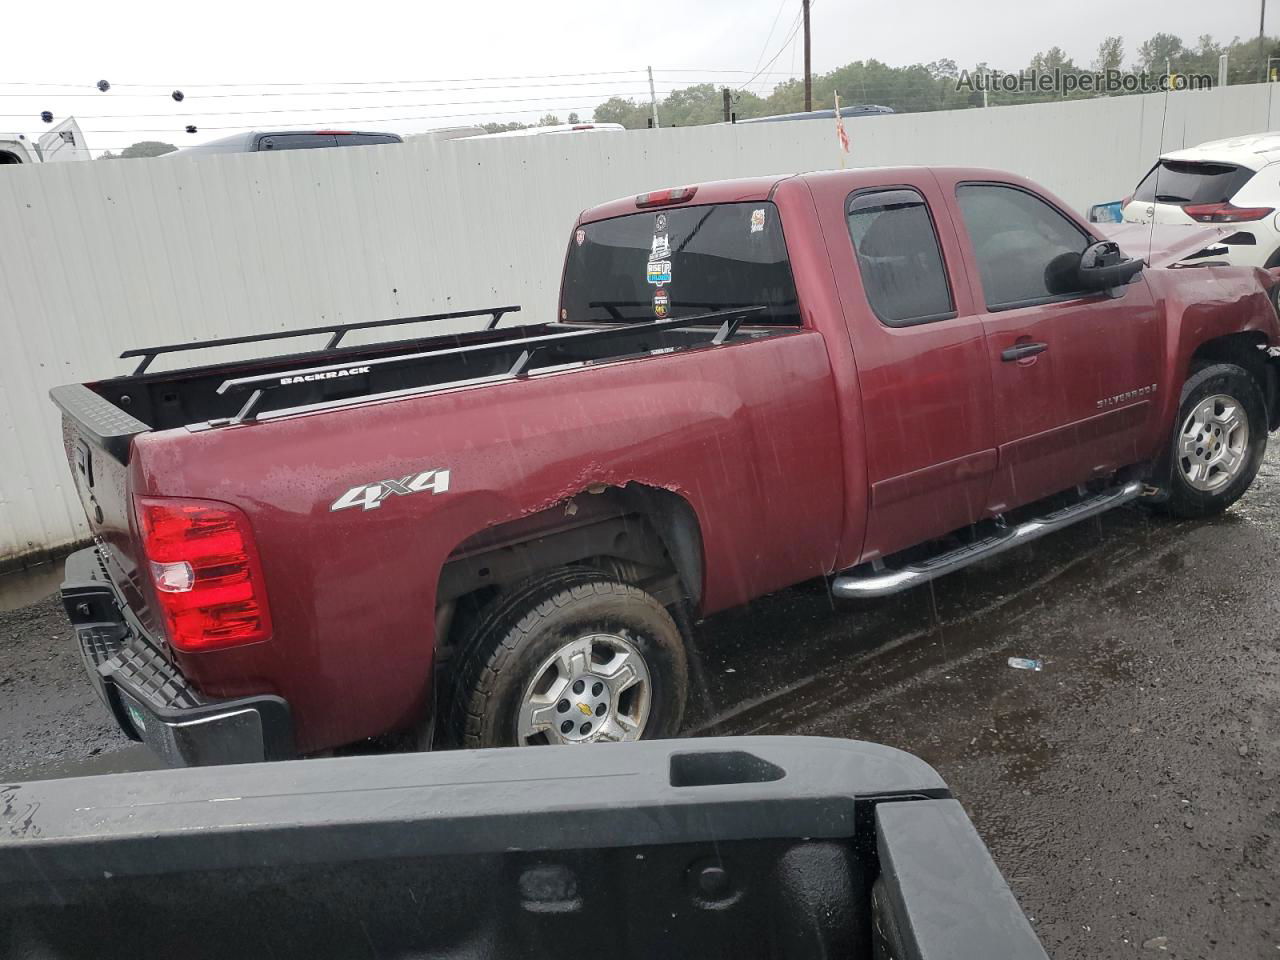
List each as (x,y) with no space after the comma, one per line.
(884,582)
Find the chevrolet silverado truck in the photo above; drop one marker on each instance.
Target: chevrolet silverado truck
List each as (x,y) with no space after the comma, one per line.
(504,536)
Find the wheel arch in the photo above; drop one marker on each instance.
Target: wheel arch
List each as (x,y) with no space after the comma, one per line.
(640,534)
(1248,350)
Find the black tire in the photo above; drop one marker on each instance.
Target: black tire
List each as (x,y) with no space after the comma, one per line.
(1185,500)
(526,624)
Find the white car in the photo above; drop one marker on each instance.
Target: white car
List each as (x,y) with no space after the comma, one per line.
(1234,183)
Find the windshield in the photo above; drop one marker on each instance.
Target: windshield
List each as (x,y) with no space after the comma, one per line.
(1176,181)
(679,263)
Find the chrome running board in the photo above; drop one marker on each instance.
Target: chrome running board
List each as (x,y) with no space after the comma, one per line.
(881,583)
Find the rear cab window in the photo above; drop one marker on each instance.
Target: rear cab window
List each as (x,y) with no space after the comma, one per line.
(1182,182)
(899,257)
(680,262)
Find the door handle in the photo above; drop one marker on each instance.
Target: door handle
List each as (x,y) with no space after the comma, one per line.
(1021,351)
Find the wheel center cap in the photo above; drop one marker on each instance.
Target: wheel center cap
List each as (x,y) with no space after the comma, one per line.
(584,707)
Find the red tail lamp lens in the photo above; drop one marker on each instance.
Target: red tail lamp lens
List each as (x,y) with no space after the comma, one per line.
(206,572)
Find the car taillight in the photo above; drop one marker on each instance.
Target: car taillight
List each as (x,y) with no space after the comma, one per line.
(658,198)
(206,573)
(1225,212)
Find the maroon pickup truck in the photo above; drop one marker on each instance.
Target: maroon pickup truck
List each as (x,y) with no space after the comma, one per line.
(502,537)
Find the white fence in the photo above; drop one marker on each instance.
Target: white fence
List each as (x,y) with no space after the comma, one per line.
(101,256)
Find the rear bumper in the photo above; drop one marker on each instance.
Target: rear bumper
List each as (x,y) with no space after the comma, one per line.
(149,697)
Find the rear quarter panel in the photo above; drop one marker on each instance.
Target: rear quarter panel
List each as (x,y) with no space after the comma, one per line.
(747,433)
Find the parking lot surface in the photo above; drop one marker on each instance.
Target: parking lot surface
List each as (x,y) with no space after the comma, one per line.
(1127,789)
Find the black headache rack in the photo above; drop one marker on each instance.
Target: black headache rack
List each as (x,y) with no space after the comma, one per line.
(792,847)
(111,412)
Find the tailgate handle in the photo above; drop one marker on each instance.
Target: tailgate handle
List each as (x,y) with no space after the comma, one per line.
(1023,350)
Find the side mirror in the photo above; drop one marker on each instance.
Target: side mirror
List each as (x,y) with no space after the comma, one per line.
(1104,267)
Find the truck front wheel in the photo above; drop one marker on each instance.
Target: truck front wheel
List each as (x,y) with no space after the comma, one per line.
(566,658)
(1219,440)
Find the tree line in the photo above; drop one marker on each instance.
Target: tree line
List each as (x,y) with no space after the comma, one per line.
(933,86)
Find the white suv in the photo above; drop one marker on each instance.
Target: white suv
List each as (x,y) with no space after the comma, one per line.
(1234,182)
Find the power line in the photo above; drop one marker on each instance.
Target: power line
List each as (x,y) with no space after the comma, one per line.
(333,83)
(440,116)
(355,93)
(795,26)
(367,106)
(765,46)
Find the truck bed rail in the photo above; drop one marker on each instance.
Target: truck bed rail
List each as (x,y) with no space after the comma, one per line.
(597,343)
(336,330)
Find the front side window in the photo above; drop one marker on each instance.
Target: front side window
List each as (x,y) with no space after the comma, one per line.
(898,257)
(1026,250)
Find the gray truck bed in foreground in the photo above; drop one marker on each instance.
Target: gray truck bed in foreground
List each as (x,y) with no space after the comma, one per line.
(746,847)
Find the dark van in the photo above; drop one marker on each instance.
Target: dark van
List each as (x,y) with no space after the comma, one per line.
(257,140)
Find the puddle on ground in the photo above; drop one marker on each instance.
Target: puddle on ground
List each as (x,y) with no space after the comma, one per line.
(22,588)
(136,756)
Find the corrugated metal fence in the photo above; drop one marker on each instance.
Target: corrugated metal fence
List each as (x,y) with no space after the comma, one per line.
(101,256)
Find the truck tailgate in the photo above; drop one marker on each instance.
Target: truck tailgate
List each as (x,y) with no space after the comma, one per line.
(97,437)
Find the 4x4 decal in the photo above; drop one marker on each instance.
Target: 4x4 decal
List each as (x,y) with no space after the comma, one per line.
(369,496)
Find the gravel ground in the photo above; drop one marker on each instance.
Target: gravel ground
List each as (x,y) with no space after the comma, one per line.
(1128,790)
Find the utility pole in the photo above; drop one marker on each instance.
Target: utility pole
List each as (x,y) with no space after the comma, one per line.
(653,100)
(728,105)
(1222,70)
(808,72)
(1262,42)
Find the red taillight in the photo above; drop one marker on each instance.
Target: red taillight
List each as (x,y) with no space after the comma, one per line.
(1225,212)
(584,126)
(658,198)
(206,573)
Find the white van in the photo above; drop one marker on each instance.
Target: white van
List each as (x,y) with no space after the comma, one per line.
(63,142)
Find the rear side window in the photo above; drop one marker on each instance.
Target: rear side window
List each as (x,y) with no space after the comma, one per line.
(899,257)
(679,262)
(1175,181)
(1021,244)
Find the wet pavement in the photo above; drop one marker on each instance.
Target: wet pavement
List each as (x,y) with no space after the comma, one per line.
(1127,790)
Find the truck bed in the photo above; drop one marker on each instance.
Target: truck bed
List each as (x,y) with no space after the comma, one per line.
(113,411)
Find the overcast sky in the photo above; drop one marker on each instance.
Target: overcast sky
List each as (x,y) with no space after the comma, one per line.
(412,57)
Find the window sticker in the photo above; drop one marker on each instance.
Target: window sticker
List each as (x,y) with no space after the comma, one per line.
(659,272)
(757,221)
(661,302)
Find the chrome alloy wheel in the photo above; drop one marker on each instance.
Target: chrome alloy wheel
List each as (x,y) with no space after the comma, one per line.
(1213,445)
(595,688)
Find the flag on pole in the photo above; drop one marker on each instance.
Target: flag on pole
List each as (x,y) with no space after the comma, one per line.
(840,133)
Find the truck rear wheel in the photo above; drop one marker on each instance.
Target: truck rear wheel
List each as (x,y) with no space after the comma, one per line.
(1219,439)
(570,657)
